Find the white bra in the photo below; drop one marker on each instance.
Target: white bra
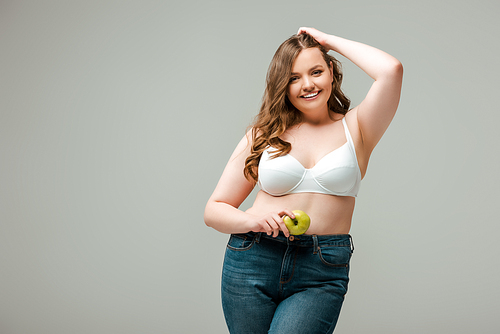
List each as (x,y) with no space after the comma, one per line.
(337,173)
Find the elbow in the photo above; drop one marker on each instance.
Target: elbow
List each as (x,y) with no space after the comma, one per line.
(208,223)
(206,219)
(397,69)
(392,72)
(207,216)
(211,215)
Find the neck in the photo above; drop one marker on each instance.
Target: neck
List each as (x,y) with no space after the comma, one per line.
(317,117)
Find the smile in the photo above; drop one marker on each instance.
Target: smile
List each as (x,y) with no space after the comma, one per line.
(310,95)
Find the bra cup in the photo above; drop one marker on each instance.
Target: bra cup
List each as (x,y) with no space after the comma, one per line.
(281,175)
(285,164)
(277,182)
(338,180)
(336,172)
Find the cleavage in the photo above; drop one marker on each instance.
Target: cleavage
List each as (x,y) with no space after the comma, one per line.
(318,161)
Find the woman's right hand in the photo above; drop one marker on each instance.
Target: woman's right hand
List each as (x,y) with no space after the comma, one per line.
(271,223)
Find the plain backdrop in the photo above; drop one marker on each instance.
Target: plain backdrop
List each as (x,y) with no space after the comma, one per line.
(118,117)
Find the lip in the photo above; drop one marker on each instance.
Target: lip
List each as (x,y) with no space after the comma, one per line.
(312,97)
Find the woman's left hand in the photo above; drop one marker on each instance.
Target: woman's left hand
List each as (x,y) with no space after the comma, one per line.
(321,37)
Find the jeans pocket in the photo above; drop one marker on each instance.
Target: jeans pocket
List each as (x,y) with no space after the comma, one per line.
(241,242)
(335,256)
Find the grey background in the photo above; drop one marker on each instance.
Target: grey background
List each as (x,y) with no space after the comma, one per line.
(117,118)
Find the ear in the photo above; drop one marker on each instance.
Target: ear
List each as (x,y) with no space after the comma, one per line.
(331,70)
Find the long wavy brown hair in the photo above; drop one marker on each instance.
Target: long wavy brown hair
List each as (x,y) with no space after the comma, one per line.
(277,113)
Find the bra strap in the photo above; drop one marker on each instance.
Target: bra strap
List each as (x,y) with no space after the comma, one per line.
(349,138)
(347,133)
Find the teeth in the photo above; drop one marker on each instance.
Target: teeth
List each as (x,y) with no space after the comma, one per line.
(311,95)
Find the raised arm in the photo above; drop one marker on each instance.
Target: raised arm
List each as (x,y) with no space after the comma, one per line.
(376,111)
(221,211)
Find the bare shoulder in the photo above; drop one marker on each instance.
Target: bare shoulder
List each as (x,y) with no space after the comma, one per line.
(233,187)
(243,148)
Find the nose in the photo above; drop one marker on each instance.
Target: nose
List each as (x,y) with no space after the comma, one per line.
(307,84)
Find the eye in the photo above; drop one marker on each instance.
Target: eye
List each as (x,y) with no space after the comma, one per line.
(292,79)
(317,72)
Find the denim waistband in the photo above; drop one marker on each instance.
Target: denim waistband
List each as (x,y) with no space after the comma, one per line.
(306,240)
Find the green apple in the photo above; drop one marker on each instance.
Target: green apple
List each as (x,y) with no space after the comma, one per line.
(299,225)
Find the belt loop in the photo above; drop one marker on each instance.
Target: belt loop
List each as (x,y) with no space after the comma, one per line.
(257,237)
(352,244)
(315,240)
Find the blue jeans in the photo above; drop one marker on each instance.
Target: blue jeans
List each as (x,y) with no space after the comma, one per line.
(285,285)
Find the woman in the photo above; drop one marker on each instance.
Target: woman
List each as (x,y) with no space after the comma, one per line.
(307,151)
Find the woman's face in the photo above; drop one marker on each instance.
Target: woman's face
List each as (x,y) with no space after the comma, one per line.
(310,82)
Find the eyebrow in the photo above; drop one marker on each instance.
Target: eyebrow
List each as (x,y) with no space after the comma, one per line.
(311,69)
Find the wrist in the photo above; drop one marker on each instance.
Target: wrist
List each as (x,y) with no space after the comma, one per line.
(332,42)
(249,222)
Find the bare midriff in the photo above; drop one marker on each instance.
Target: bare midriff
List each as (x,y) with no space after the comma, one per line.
(329,214)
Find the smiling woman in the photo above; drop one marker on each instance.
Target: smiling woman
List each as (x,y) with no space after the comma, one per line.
(298,61)
(311,81)
(308,153)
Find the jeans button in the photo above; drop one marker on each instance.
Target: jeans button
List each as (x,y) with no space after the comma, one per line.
(291,238)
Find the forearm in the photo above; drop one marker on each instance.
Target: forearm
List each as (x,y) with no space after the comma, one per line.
(374,62)
(226,218)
